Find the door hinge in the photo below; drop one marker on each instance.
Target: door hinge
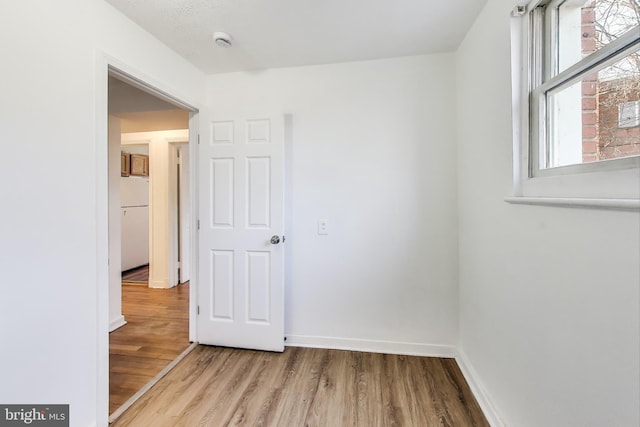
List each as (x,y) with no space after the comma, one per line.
(198,139)
(198,309)
(198,224)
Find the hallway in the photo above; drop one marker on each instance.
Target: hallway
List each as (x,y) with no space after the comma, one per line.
(157,331)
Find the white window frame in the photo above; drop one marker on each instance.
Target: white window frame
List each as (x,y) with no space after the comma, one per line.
(611,183)
(624,122)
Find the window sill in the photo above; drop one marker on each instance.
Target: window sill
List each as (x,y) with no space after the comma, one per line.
(565,202)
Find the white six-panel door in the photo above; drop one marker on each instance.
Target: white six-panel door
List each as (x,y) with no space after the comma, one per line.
(241,289)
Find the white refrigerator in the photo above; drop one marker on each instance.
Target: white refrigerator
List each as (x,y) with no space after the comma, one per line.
(134,195)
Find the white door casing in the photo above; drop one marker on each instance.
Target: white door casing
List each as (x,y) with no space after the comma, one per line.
(184,205)
(241,207)
(180,212)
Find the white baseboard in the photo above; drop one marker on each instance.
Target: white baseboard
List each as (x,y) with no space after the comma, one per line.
(159,284)
(117,323)
(478,390)
(372,346)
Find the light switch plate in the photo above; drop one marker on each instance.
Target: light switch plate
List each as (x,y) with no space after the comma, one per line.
(323,226)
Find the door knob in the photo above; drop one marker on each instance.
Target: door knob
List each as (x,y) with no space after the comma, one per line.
(275,240)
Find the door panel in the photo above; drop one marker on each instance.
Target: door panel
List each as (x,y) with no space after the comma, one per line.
(259,284)
(221,284)
(241,292)
(258,192)
(221,197)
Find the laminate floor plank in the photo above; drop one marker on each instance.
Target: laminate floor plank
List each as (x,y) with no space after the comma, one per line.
(156,333)
(423,403)
(303,375)
(368,390)
(224,392)
(136,275)
(215,386)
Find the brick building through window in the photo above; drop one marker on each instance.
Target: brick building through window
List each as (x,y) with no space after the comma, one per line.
(610,98)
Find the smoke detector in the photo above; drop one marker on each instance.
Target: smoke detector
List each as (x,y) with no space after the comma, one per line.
(222,39)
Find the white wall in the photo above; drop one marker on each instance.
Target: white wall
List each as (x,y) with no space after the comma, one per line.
(48,233)
(549,297)
(373,152)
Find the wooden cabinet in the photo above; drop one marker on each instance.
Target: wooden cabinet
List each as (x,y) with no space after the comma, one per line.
(139,165)
(125,160)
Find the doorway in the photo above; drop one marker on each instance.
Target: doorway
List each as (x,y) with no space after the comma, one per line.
(148,327)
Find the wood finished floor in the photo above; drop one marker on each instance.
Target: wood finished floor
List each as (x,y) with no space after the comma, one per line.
(216,386)
(157,331)
(139,274)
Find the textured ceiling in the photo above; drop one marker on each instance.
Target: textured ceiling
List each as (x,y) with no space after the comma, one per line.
(285,33)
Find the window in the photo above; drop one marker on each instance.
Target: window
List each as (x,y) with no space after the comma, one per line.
(576,103)
(629,114)
(583,86)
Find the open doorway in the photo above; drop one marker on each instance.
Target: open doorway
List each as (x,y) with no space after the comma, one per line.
(149,316)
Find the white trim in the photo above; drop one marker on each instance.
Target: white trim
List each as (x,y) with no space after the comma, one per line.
(106,65)
(129,139)
(144,138)
(554,80)
(592,184)
(372,346)
(101,145)
(611,53)
(194,137)
(478,390)
(566,202)
(126,405)
(160,284)
(116,323)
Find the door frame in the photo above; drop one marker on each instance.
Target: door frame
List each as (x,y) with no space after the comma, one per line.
(106,66)
(177,206)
